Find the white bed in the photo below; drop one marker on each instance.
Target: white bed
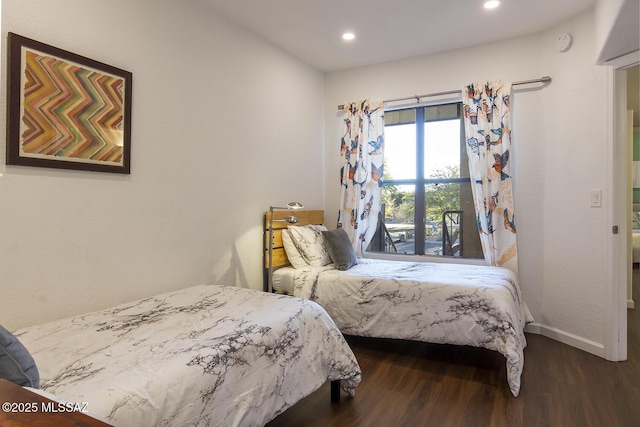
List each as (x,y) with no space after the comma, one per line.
(207,355)
(473,305)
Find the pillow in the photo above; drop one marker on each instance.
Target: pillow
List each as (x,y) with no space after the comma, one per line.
(16,363)
(309,241)
(340,249)
(294,255)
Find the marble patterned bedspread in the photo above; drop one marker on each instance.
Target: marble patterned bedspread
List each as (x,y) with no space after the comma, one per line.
(479,306)
(207,355)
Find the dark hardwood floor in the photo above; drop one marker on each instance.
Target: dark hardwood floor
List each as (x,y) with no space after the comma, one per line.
(418,384)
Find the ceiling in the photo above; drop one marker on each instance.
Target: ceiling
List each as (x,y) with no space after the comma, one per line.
(388,30)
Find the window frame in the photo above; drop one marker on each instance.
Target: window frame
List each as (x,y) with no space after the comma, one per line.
(420,182)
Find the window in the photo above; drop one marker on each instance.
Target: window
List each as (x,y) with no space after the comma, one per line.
(426,181)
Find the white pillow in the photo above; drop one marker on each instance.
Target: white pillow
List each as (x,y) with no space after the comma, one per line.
(309,241)
(295,258)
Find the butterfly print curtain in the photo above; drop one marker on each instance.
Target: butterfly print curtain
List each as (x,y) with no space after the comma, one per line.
(488,140)
(361,156)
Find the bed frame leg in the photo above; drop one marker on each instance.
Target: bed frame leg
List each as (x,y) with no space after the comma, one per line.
(335,391)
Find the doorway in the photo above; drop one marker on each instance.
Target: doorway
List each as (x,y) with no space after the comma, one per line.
(621,206)
(633,152)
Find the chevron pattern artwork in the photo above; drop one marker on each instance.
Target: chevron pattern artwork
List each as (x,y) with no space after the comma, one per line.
(71,111)
(65,110)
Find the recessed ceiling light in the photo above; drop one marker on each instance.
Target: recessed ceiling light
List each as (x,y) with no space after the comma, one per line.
(348,36)
(491,4)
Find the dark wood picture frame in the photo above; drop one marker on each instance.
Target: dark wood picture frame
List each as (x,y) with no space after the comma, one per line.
(65,110)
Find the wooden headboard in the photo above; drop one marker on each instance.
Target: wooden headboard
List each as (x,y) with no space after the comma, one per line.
(305,217)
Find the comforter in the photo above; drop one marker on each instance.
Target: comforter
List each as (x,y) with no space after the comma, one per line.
(207,355)
(479,306)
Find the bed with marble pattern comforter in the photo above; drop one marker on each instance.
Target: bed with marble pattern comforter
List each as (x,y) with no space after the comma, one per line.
(478,306)
(206,355)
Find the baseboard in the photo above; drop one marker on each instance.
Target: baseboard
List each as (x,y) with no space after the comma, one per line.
(631,303)
(566,338)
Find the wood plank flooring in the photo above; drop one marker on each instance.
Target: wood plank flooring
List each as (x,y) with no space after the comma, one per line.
(418,384)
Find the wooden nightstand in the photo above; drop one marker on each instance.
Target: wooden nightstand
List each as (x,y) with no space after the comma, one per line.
(23,408)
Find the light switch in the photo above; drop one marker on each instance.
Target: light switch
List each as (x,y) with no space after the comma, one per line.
(596,198)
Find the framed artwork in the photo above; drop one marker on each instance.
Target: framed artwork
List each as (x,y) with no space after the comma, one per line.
(65,110)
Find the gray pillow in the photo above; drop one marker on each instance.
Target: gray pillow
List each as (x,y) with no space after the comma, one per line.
(340,249)
(16,363)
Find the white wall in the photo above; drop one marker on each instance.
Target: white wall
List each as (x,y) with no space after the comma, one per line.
(559,154)
(606,14)
(576,283)
(617,26)
(213,145)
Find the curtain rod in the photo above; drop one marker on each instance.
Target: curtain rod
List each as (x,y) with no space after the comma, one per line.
(544,79)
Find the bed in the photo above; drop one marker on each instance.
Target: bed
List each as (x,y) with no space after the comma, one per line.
(205,355)
(435,302)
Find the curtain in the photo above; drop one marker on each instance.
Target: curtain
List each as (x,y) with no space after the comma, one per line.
(361,153)
(488,139)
